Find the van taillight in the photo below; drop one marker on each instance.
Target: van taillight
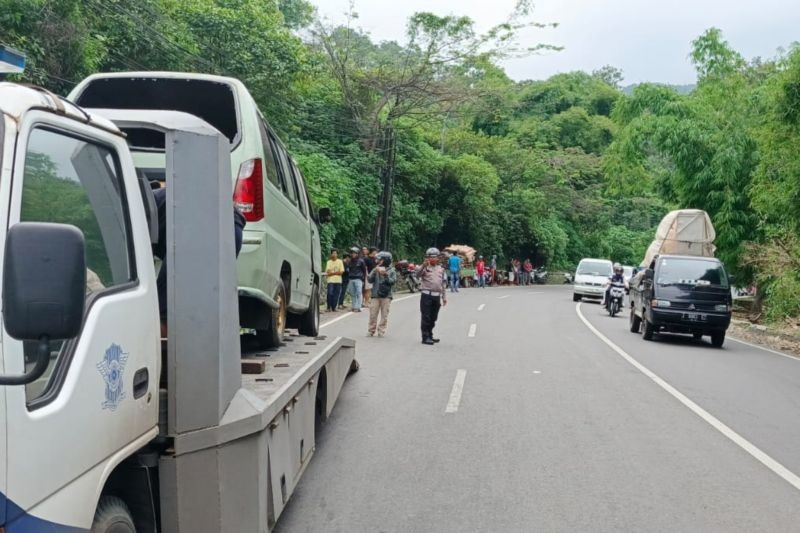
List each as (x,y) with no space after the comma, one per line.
(248,195)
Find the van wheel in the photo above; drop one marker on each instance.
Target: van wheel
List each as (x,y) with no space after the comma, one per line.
(272,337)
(576,297)
(718,339)
(112,516)
(648,330)
(309,321)
(635,322)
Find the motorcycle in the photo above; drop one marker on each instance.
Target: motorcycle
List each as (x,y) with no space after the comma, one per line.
(540,276)
(408,271)
(569,279)
(615,298)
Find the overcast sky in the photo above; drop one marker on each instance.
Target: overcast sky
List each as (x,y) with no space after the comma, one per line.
(649,40)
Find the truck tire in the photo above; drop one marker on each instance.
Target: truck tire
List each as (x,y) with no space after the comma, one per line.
(273,336)
(309,321)
(635,322)
(112,516)
(648,330)
(718,339)
(576,297)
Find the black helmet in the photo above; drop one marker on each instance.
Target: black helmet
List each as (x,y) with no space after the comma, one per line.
(386,257)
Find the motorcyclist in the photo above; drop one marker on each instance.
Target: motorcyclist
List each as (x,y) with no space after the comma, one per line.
(617,277)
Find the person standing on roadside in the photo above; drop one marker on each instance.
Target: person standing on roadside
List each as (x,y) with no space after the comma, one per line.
(454,264)
(480,272)
(493,270)
(527,268)
(357,276)
(334,270)
(370,255)
(383,278)
(432,294)
(345,279)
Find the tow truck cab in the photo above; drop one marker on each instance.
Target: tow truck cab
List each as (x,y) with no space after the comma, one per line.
(682,294)
(103,424)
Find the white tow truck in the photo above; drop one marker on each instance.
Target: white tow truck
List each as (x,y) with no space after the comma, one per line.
(104,425)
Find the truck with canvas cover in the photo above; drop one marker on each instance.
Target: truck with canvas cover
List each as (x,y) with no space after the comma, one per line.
(682,288)
(105,425)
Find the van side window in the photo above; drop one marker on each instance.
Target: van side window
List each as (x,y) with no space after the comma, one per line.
(301,192)
(271,167)
(288,181)
(68,180)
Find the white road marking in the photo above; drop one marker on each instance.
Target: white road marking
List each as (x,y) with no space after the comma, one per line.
(537,371)
(472,329)
(455,394)
(480,307)
(787,475)
(786,355)
(349,313)
(503,297)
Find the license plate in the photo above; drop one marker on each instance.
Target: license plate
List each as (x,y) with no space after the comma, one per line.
(695,317)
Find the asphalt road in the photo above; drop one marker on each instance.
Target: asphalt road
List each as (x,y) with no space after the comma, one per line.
(553,427)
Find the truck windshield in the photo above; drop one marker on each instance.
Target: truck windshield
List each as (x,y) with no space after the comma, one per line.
(594,268)
(695,272)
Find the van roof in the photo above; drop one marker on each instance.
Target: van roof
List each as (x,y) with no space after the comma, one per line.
(16,100)
(598,260)
(160,74)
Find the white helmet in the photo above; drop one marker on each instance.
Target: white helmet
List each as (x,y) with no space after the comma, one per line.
(432,252)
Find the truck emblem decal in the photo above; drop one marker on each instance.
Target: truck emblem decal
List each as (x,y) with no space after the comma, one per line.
(111,368)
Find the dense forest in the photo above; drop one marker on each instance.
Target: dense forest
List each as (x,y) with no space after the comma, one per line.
(554,170)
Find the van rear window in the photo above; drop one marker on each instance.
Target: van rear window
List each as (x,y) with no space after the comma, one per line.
(212,101)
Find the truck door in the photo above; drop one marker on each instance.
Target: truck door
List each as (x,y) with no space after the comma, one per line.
(97,401)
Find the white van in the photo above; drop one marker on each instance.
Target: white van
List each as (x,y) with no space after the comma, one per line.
(591,278)
(279,264)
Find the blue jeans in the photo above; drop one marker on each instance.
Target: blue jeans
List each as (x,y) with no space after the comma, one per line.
(482,281)
(454,281)
(334,292)
(355,288)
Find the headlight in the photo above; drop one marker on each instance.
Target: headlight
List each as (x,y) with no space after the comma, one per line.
(722,308)
(660,303)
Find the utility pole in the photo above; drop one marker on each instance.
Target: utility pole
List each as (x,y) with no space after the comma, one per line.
(382,234)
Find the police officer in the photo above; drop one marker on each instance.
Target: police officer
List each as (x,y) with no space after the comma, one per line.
(433,295)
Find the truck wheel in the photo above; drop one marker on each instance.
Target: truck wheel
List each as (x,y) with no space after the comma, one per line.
(309,321)
(576,297)
(635,322)
(272,337)
(112,516)
(718,339)
(647,329)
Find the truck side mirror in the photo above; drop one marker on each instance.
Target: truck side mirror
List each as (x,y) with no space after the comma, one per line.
(324,215)
(44,288)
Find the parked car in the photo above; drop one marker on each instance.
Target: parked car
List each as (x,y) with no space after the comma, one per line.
(591,277)
(280,261)
(682,294)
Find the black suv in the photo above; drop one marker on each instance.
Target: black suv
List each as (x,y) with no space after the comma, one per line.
(682,294)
